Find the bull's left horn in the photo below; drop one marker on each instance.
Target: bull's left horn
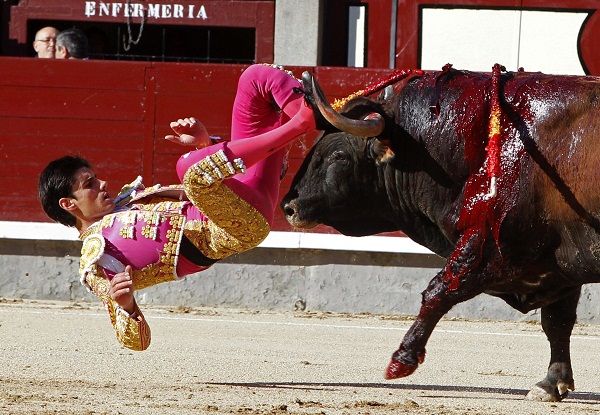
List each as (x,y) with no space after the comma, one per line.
(370,126)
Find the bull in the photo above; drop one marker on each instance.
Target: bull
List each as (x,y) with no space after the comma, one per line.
(419,162)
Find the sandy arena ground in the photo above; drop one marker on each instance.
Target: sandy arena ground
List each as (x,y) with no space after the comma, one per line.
(62,358)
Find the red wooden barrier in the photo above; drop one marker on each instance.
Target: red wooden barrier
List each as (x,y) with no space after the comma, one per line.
(116,114)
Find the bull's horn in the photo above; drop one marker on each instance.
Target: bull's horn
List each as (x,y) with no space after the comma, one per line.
(370,126)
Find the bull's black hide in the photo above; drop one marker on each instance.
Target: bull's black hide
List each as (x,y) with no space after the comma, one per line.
(425,173)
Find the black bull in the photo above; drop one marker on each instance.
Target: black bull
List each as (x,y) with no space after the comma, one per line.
(420,167)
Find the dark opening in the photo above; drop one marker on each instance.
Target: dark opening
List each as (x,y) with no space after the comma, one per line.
(174,43)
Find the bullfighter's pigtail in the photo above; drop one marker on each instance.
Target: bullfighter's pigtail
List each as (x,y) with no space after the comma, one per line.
(494,133)
(377,86)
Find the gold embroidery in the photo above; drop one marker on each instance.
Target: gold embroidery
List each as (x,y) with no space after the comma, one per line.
(95,228)
(98,282)
(214,168)
(176,221)
(164,269)
(151,275)
(173,234)
(160,205)
(131,333)
(235,226)
(108,221)
(152,219)
(128,219)
(149,231)
(151,189)
(158,193)
(169,254)
(92,249)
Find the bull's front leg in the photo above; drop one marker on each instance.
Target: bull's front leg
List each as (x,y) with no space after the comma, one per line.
(463,278)
(558,320)
(411,353)
(437,301)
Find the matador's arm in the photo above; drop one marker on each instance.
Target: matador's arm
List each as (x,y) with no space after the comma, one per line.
(132,330)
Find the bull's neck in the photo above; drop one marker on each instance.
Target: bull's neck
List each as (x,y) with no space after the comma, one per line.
(415,206)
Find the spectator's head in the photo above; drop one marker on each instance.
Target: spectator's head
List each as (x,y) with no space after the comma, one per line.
(71,44)
(45,42)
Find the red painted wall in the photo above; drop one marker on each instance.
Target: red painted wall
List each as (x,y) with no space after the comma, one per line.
(116,114)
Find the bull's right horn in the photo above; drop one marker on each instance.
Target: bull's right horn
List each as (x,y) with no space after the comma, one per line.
(370,126)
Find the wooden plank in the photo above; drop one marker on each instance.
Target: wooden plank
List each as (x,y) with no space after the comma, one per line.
(149,127)
(190,78)
(164,168)
(61,103)
(43,73)
(70,142)
(18,191)
(117,130)
(22,129)
(214,112)
(28,162)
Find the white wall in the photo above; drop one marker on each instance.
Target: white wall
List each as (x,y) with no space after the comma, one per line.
(477,39)
(297,32)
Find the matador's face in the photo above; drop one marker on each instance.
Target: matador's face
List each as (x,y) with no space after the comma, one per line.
(91,200)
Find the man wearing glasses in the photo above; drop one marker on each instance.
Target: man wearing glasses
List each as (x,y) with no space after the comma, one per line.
(45,42)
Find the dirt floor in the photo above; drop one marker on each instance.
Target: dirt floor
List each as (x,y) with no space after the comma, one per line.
(62,358)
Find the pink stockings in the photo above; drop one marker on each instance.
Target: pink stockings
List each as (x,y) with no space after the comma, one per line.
(257,136)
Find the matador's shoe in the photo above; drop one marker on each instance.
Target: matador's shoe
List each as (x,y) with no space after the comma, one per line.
(309,92)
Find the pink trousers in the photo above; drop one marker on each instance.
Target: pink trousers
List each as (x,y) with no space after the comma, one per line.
(268,113)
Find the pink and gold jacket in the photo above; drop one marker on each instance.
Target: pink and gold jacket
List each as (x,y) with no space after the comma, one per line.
(145,232)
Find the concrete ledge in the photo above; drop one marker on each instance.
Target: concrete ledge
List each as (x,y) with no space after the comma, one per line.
(300,240)
(273,276)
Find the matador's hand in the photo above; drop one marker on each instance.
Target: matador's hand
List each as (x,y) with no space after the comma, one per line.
(189,132)
(121,290)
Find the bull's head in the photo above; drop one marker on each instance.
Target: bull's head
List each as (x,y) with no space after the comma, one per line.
(362,117)
(340,181)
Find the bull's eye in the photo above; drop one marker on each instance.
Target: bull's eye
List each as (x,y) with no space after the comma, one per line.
(338,156)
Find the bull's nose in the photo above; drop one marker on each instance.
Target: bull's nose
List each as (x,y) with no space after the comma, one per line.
(291,214)
(296,216)
(289,210)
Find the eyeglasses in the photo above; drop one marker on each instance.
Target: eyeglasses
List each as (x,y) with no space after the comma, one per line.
(47,40)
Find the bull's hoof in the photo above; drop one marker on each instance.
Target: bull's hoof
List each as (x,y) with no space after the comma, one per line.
(544,392)
(541,395)
(397,370)
(404,363)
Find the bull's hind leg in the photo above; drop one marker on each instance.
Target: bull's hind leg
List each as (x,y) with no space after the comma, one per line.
(557,321)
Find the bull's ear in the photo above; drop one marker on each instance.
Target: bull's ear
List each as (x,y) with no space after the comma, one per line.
(382,152)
